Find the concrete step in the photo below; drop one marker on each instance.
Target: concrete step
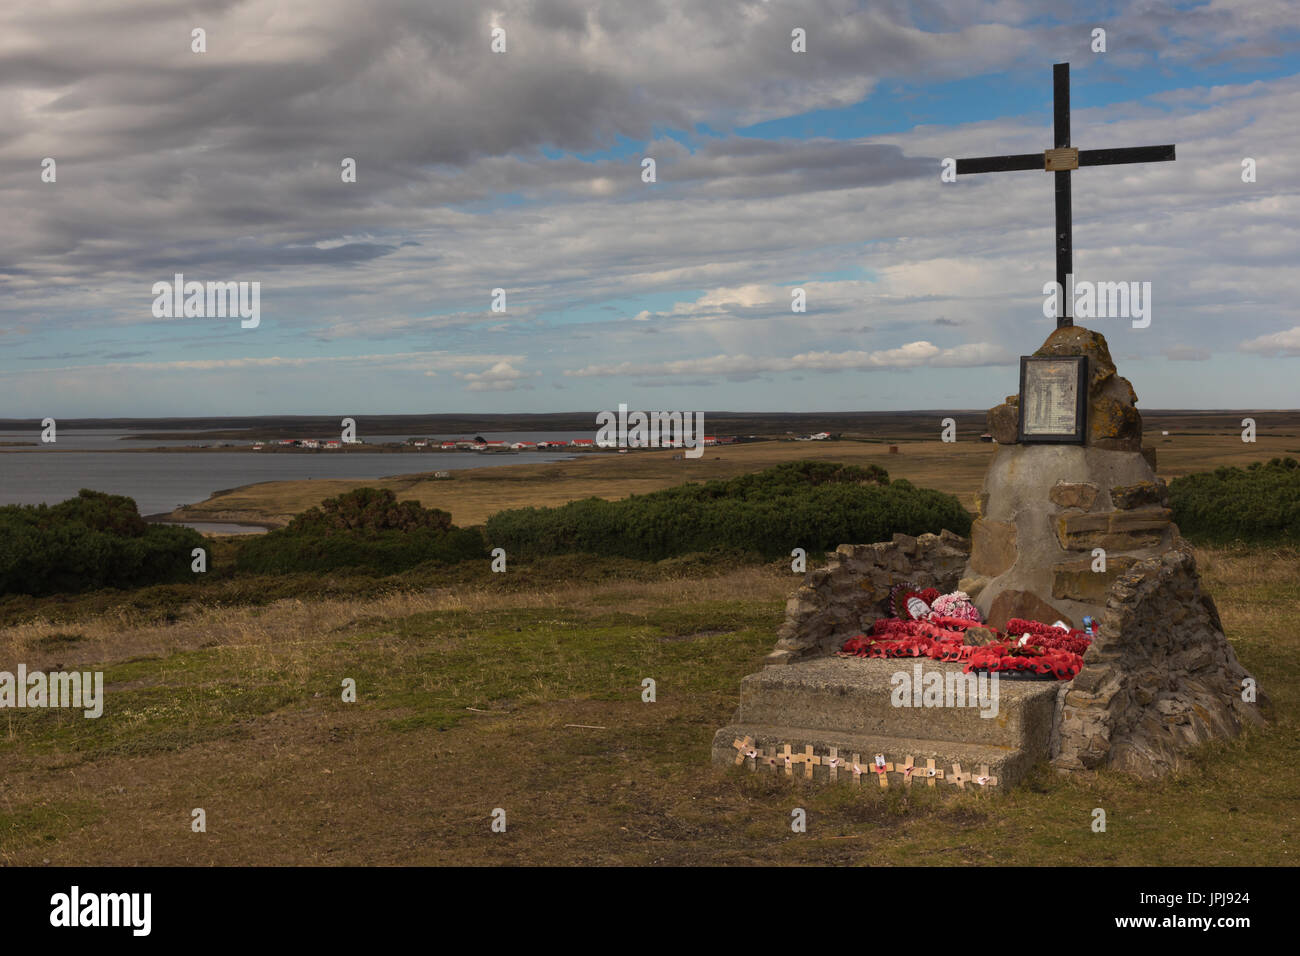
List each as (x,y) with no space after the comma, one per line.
(1008,765)
(857,696)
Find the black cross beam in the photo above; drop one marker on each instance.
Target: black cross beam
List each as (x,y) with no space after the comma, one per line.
(1062,160)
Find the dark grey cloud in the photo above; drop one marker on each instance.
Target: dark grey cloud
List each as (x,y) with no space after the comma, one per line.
(226,165)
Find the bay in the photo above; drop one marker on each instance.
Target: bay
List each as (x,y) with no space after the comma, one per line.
(161,481)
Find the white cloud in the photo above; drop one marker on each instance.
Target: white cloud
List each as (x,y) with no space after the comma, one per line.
(1279,343)
(501,377)
(911,355)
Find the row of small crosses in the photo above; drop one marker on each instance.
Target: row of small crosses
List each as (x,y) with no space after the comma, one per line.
(833,762)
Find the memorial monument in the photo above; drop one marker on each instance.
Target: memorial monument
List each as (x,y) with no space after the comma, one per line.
(1072,524)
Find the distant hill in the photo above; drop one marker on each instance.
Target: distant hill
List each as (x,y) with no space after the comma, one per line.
(878,426)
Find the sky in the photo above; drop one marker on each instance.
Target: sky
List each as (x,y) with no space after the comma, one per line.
(775,170)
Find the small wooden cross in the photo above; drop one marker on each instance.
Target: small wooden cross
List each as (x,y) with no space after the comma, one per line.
(983,778)
(958,777)
(833,761)
(787,759)
(808,760)
(745,749)
(906,769)
(769,757)
(930,773)
(881,768)
(858,770)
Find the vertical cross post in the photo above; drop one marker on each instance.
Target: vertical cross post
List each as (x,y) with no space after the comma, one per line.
(786,758)
(833,763)
(1064,207)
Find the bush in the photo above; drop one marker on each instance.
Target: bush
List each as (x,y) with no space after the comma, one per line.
(92,541)
(813,505)
(368,509)
(365,529)
(1259,504)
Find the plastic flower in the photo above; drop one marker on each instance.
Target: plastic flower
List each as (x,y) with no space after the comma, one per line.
(957,604)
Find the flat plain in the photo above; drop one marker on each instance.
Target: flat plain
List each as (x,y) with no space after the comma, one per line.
(523,691)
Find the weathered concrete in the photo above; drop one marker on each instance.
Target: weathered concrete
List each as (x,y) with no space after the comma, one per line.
(848,703)
(1019,485)
(993,547)
(857,695)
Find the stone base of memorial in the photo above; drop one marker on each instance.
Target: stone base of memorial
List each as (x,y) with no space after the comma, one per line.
(1063,532)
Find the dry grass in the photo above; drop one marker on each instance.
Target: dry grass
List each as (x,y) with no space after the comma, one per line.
(464,698)
(111,639)
(465,691)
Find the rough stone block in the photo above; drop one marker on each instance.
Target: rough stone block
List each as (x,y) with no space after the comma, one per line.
(906,544)
(1077,581)
(993,546)
(973,585)
(1074,494)
(1145,519)
(1143,493)
(1115,530)
(1079,523)
(953,540)
(979,636)
(1003,422)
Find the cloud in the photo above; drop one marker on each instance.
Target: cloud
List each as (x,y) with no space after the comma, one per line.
(501,377)
(1278,343)
(1186,353)
(911,355)
(522,171)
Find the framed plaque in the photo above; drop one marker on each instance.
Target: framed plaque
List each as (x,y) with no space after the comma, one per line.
(1054,399)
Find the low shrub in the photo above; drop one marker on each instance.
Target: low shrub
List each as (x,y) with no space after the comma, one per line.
(92,541)
(813,505)
(1258,504)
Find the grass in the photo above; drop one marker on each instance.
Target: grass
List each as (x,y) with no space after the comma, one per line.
(524,691)
(527,695)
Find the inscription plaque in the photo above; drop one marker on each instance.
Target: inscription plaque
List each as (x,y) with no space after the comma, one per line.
(1053,399)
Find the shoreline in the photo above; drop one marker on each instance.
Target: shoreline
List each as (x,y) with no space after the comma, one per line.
(472,495)
(169,519)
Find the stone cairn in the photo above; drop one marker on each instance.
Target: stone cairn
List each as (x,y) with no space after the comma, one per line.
(1065,531)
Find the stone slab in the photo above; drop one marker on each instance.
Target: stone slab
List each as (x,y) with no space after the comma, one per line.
(854,695)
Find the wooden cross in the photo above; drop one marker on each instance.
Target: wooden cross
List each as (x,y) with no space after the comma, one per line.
(833,762)
(983,778)
(881,768)
(787,758)
(906,769)
(858,770)
(929,772)
(1062,160)
(808,760)
(745,748)
(958,777)
(769,757)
